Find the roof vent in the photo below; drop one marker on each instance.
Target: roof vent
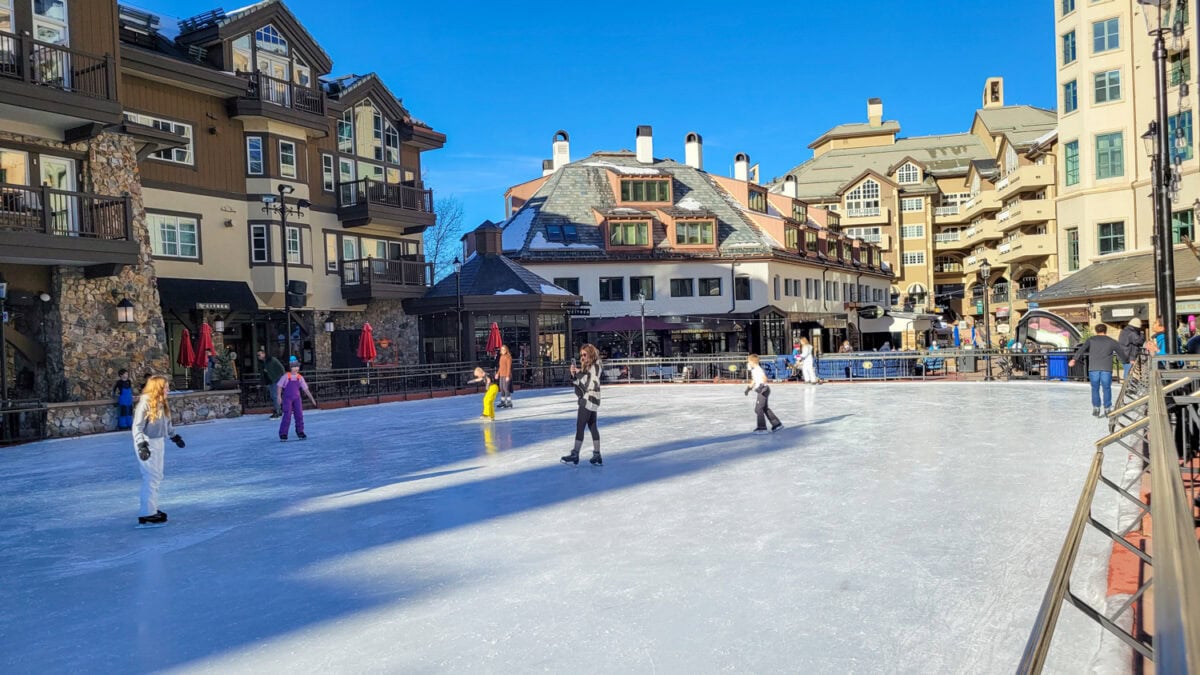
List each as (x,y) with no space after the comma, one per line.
(201,21)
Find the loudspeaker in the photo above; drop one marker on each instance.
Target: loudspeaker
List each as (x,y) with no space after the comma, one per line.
(297,287)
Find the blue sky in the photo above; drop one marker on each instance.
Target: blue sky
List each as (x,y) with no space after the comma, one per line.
(500,78)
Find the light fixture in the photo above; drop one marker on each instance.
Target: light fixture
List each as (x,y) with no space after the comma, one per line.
(1150,140)
(303,204)
(219,325)
(45,297)
(1152,12)
(285,189)
(457,266)
(124,311)
(268,199)
(985,270)
(329,324)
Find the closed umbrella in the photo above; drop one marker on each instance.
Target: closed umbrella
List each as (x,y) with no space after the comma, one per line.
(204,345)
(366,348)
(186,356)
(493,341)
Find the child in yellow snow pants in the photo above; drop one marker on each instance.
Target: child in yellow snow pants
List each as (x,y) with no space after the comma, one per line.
(491,391)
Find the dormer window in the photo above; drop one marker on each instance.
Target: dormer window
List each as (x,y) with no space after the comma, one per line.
(562,233)
(269,40)
(694,232)
(645,190)
(799,212)
(908,174)
(757,201)
(810,242)
(628,233)
(791,235)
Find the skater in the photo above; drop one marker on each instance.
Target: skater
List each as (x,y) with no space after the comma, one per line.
(288,390)
(151,427)
(808,362)
(123,392)
(271,370)
(490,390)
(587,388)
(504,375)
(1098,351)
(759,385)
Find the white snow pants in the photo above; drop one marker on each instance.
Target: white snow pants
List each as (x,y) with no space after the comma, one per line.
(808,371)
(152,475)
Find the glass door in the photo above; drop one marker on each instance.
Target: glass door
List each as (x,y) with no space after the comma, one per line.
(346,186)
(278,89)
(52,66)
(59,174)
(350,271)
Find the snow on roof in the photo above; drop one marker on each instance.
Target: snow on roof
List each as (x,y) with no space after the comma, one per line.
(553,290)
(690,203)
(510,291)
(168,26)
(631,170)
(539,243)
(516,229)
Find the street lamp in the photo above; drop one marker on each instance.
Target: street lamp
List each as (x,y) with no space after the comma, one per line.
(1164,177)
(3,354)
(458,294)
(281,207)
(642,301)
(985,271)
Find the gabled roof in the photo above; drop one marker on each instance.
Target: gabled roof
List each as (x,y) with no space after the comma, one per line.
(1016,118)
(855,130)
(355,88)
(853,182)
(905,160)
(493,275)
(254,16)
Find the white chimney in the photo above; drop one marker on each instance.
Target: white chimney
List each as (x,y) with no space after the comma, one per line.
(645,144)
(561,150)
(741,166)
(789,186)
(693,151)
(547,167)
(875,112)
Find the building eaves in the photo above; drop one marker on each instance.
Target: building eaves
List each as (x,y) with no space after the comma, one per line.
(856,130)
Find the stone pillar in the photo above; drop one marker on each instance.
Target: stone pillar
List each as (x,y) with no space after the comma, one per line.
(388,322)
(86,345)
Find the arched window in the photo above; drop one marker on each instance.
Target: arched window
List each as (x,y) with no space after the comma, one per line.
(270,40)
(908,174)
(863,200)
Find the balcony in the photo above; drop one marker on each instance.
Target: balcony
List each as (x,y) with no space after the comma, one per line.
(44,226)
(999,293)
(371,202)
(952,213)
(1026,247)
(949,241)
(282,100)
(954,269)
(1028,212)
(1024,179)
(74,87)
(984,202)
(873,215)
(984,231)
(369,279)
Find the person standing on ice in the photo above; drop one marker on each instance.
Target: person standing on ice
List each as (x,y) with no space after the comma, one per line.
(490,390)
(289,387)
(123,392)
(587,388)
(504,376)
(808,362)
(762,408)
(151,427)
(1098,351)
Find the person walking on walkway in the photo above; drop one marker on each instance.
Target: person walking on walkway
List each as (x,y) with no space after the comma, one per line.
(1131,341)
(1099,351)
(504,377)
(271,370)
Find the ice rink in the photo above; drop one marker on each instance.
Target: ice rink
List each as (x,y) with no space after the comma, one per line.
(891,527)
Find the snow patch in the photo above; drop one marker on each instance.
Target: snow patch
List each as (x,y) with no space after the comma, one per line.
(516,229)
(547,289)
(630,170)
(1113,287)
(510,291)
(539,243)
(690,203)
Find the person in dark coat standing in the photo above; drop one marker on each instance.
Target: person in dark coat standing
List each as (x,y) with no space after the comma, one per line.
(271,370)
(1131,341)
(1098,351)
(123,392)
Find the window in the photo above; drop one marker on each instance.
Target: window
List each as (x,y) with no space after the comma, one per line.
(1068,6)
(810,241)
(1072,249)
(912,204)
(345,132)
(682,288)
(710,286)
(1070,97)
(1112,237)
(391,142)
(1106,35)
(1108,86)
(612,288)
(863,200)
(1110,156)
(564,232)
(1071,163)
(173,236)
(293,246)
(912,232)
(775,286)
(1068,48)
(568,284)
(641,286)
(327,179)
(645,190)
(287,159)
(1180,66)
(908,174)
(691,233)
(1181,226)
(1179,134)
(741,288)
(331,252)
(829,288)
(254,155)
(181,155)
(757,201)
(270,40)
(914,258)
(629,234)
(816,289)
(260,246)
(791,237)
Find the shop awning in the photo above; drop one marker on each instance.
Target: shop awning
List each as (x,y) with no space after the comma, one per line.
(222,296)
(628,323)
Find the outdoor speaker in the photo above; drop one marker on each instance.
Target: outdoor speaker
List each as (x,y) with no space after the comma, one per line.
(297,287)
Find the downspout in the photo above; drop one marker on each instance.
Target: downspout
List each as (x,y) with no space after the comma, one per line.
(858,312)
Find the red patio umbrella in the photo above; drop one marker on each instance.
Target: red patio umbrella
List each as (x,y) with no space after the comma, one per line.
(366,345)
(494,341)
(186,356)
(204,345)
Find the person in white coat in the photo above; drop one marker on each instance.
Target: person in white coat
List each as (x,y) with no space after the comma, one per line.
(151,428)
(808,362)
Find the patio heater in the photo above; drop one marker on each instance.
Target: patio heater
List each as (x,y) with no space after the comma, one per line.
(458,296)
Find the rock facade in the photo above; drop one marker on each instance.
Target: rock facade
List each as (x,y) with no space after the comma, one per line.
(388,322)
(94,417)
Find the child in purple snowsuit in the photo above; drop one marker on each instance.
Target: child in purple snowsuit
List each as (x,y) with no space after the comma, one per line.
(289,388)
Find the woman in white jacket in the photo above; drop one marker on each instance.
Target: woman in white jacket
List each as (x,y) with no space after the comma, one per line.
(808,362)
(151,428)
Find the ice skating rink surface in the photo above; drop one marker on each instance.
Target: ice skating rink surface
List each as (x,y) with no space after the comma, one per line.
(887,528)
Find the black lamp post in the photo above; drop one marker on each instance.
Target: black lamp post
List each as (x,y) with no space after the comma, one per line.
(3,354)
(458,295)
(270,205)
(985,271)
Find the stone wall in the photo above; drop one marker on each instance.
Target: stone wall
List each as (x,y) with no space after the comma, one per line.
(94,417)
(86,345)
(388,321)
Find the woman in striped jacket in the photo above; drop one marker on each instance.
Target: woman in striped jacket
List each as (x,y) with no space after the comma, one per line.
(587,388)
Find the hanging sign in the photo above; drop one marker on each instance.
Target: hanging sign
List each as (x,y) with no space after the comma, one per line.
(213,306)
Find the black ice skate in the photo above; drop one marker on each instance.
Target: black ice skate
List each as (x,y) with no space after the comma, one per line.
(157,520)
(761,431)
(596,459)
(275,416)
(572,458)
(301,435)
(282,437)
(777,427)
(1095,412)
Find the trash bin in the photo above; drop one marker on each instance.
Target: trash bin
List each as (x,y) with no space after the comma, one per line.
(781,367)
(1056,366)
(966,364)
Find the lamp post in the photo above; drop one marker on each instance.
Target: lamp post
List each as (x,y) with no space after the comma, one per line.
(642,301)
(458,294)
(3,355)
(281,207)
(1163,177)
(985,271)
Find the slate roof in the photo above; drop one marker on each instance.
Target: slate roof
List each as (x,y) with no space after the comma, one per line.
(1129,274)
(857,129)
(494,275)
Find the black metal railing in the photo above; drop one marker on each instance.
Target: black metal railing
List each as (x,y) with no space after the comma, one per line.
(64,213)
(280,92)
(370,191)
(50,65)
(1000,294)
(22,421)
(375,272)
(1026,292)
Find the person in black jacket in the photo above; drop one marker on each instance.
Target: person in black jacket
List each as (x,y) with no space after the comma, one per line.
(586,378)
(1131,341)
(271,370)
(1098,351)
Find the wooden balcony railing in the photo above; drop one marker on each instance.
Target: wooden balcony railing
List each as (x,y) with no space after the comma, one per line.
(372,272)
(279,92)
(49,65)
(65,214)
(370,191)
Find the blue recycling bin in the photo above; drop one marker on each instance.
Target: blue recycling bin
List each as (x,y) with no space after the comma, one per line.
(1056,366)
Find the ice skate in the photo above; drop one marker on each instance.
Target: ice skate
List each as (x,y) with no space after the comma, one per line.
(1095,412)
(572,458)
(275,416)
(159,519)
(301,435)
(596,459)
(777,427)
(761,431)
(282,437)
